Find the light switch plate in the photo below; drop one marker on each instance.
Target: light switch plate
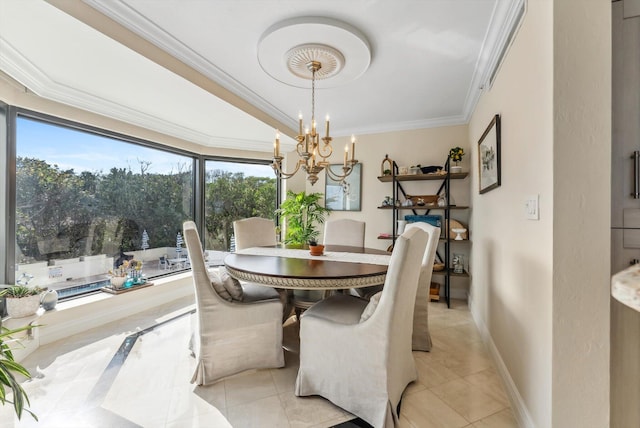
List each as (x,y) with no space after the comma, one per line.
(531,211)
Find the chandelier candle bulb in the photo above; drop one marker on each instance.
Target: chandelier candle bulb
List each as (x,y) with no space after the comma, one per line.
(276,145)
(353,147)
(300,122)
(327,130)
(346,154)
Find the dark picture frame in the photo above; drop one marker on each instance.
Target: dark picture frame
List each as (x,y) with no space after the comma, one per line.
(345,195)
(489,157)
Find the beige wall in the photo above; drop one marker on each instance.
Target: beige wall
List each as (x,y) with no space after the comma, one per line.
(512,257)
(540,288)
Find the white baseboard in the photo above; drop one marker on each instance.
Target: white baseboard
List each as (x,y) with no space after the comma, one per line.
(518,406)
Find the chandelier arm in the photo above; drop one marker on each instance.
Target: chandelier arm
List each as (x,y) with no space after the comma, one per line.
(326,146)
(281,174)
(336,177)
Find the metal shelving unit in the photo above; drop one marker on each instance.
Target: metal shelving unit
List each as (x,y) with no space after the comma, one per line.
(444,190)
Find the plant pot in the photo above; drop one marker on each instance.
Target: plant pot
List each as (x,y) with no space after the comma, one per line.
(316,250)
(456,169)
(117,282)
(23,306)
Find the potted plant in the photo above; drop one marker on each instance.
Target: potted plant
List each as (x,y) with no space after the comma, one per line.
(315,249)
(8,370)
(302,213)
(22,300)
(456,154)
(128,270)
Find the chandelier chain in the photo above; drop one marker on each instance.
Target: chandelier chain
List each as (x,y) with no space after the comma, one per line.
(313,95)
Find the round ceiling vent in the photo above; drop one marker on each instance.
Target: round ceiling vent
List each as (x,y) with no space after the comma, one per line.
(286,49)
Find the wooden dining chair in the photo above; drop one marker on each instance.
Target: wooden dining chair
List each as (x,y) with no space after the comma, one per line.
(357,354)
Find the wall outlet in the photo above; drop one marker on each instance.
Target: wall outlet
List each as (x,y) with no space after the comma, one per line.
(531,211)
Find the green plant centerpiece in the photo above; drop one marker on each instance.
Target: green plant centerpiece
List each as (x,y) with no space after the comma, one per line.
(302,213)
(9,368)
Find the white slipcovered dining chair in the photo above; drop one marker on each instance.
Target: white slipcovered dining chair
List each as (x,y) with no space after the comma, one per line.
(254,232)
(421,340)
(350,233)
(344,232)
(260,232)
(357,354)
(232,334)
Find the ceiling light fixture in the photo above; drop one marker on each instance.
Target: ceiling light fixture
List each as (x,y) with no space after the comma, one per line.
(313,154)
(343,57)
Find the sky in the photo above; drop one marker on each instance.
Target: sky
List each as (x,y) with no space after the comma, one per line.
(82,151)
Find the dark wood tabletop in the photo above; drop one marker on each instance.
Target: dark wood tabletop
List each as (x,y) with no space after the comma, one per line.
(311,273)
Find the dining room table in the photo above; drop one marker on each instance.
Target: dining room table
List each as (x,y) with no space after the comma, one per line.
(338,268)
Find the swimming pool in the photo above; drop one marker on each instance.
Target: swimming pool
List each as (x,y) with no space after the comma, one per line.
(77,290)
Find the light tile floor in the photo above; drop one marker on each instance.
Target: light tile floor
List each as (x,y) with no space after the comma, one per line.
(88,380)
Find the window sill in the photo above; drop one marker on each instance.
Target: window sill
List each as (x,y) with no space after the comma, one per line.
(83,313)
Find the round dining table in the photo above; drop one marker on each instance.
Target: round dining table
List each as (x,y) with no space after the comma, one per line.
(335,270)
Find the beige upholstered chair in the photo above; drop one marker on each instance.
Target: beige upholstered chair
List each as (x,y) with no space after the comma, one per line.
(364,364)
(260,232)
(351,233)
(344,232)
(254,232)
(231,336)
(421,340)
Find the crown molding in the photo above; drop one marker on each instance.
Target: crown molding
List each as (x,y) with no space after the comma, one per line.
(135,22)
(26,73)
(505,21)
(406,126)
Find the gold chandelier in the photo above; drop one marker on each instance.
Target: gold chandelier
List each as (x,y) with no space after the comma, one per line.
(313,154)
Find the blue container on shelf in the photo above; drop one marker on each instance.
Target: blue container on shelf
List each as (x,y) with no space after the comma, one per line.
(434,220)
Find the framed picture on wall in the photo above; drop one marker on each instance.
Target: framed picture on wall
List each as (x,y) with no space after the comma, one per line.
(344,195)
(489,156)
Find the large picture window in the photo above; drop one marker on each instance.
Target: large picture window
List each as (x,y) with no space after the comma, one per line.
(85,200)
(235,190)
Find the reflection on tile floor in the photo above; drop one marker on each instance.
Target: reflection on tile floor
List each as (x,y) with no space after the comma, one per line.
(135,373)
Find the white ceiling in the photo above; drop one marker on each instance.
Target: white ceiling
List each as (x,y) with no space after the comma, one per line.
(429,61)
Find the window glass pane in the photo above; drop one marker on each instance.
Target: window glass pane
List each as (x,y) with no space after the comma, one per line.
(85,202)
(235,190)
